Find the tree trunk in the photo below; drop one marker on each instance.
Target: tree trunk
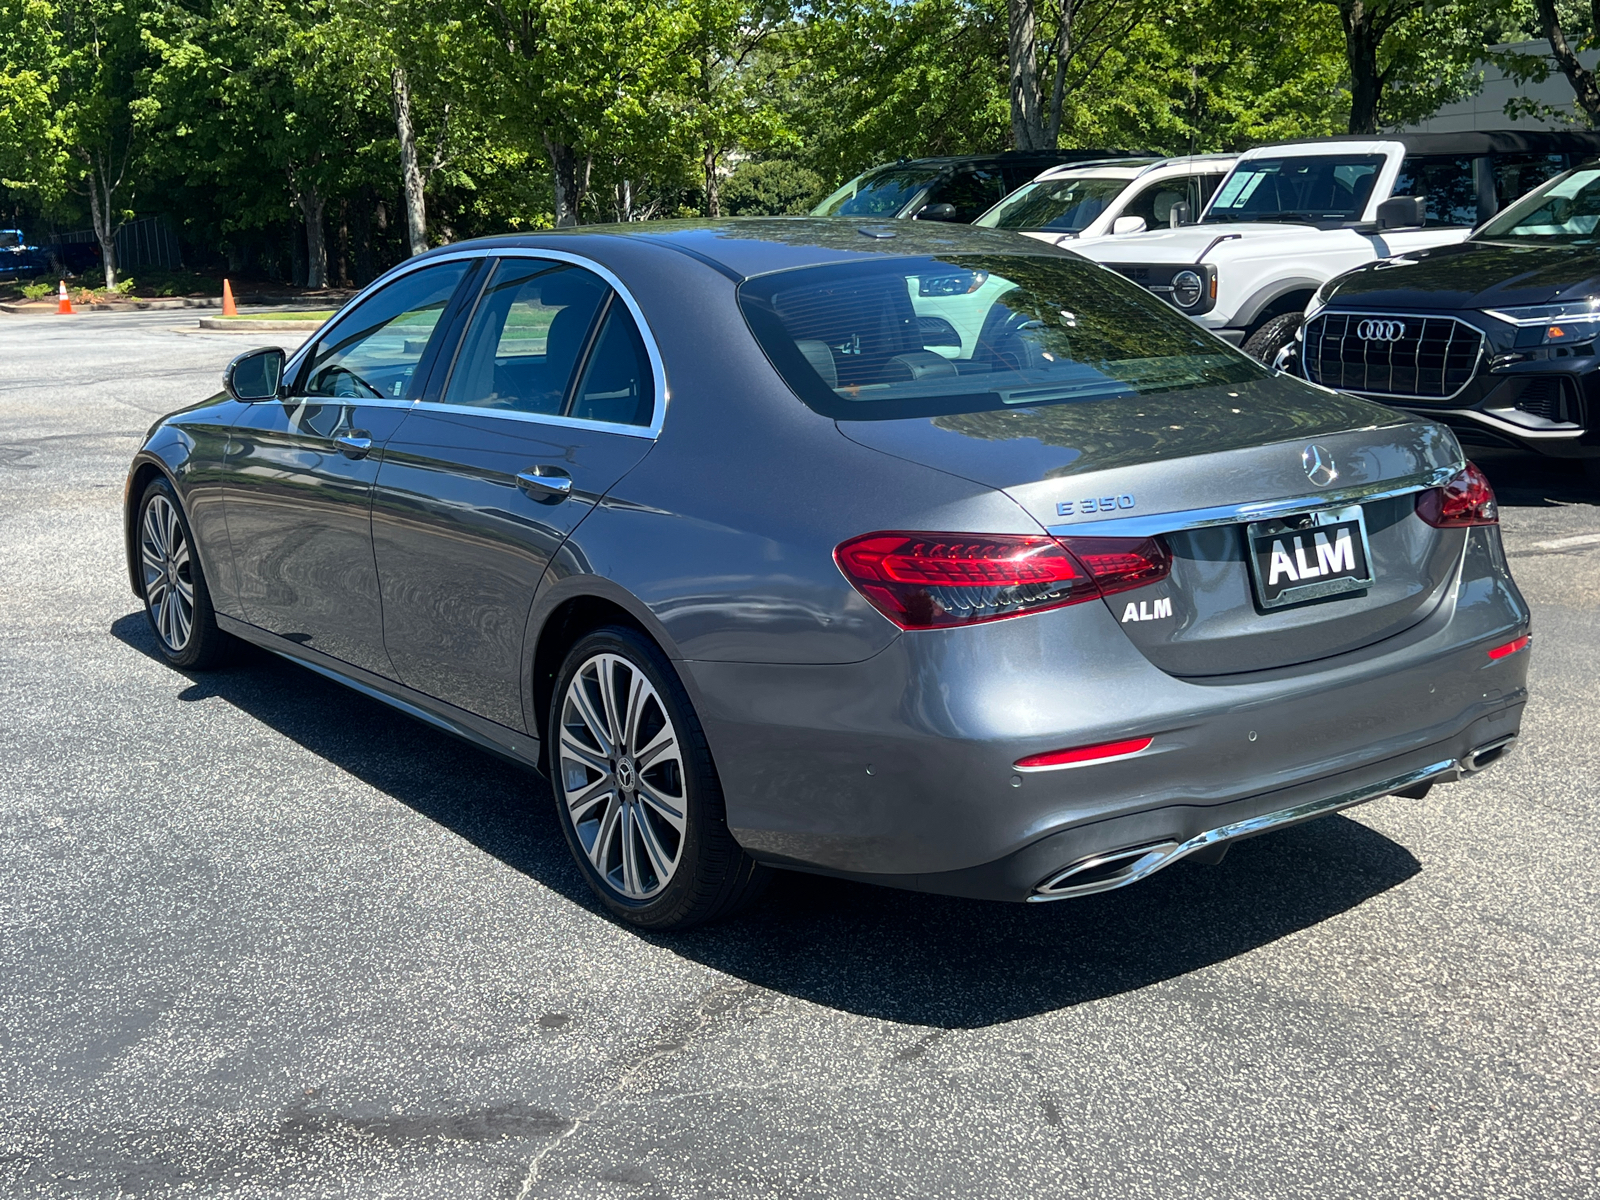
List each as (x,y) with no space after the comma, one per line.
(1027,122)
(570,175)
(311,205)
(713,187)
(100,196)
(410,171)
(1362,33)
(1581,79)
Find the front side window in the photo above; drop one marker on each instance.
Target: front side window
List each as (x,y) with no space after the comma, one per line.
(530,325)
(878,193)
(970,192)
(373,352)
(1156,202)
(1566,210)
(920,337)
(9,239)
(1445,182)
(1515,175)
(1057,205)
(1312,189)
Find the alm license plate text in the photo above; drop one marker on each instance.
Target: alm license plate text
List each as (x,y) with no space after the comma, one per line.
(1309,555)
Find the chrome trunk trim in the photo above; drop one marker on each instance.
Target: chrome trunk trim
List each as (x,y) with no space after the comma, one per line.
(1151,524)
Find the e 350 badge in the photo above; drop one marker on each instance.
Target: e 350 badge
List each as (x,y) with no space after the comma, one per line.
(1093,504)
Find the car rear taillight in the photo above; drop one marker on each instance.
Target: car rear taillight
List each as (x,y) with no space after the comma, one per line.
(1465,499)
(1118,564)
(935,580)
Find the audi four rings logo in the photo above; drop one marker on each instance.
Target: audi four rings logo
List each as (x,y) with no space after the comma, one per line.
(1381,331)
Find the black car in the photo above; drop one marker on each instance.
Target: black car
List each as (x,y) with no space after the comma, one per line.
(948,189)
(1495,336)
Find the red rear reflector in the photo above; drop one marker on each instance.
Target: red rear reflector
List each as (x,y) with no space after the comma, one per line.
(935,580)
(1466,499)
(1509,647)
(1064,758)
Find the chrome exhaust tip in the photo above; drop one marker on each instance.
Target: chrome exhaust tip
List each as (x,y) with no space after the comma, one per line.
(1102,872)
(1110,869)
(1491,752)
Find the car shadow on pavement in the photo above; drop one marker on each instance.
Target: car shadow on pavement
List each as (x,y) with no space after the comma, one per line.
(900,956)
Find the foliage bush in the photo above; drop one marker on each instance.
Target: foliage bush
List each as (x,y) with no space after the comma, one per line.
(773,188)
(37,290)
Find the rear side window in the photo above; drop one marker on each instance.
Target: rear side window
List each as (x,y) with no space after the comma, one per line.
(1445,182)
(912,337)
(617,385)
(373,350)
(531,323)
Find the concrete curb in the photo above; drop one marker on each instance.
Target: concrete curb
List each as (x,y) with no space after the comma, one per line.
(234,325)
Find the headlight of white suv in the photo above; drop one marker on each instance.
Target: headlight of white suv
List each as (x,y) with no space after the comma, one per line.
(1187,289)
(1571,321)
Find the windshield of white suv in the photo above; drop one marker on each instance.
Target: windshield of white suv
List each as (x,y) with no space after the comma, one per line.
(1566,211)
(881,192)
(965,333)
(1311,189)
(1057,205)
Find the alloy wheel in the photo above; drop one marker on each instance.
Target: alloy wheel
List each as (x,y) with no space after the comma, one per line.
(168,572)
(621,776)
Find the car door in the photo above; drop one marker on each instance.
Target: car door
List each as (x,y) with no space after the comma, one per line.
(300,471)
(551,397)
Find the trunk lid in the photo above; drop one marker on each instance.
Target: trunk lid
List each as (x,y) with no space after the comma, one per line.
(1197,467)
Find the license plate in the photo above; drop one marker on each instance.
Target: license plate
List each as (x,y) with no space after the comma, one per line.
(1309,555)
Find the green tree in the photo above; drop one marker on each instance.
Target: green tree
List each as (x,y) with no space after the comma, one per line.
(73,122)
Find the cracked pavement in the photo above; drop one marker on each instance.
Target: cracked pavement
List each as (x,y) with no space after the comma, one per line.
(263,937)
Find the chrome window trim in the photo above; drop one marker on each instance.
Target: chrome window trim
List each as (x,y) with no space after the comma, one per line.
(652,350)
(1380,397)
(1152,524)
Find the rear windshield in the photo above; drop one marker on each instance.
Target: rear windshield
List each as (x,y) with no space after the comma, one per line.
(915,337)
(9,238)
(1059,205)
(1314,189)
(877,193)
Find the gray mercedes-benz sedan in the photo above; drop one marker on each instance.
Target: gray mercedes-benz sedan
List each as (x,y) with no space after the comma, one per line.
(931,557)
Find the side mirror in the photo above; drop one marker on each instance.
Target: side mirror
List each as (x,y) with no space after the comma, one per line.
(255,375)
(936,212)
(1403,212)
(1128,225)
(1179,215)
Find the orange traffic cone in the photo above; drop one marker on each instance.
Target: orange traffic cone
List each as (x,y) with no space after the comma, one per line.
(63,304)
(229,309)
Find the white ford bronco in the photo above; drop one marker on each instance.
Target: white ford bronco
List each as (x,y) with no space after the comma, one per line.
(1288,218)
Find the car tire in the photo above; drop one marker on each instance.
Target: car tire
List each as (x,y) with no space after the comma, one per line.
(177,602)
(1263,345)
(636,791)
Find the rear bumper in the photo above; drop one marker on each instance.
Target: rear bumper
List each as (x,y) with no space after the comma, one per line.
(898,770)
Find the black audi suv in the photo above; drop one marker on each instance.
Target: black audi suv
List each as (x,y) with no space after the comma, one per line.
(1495,336)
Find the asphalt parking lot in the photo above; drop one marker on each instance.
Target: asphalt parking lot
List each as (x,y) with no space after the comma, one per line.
(260,936)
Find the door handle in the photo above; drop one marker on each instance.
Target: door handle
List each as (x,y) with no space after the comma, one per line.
(354,444)
(548,484)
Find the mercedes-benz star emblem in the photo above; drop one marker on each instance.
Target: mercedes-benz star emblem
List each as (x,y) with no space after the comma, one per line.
(1381,331)
(1319,465)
